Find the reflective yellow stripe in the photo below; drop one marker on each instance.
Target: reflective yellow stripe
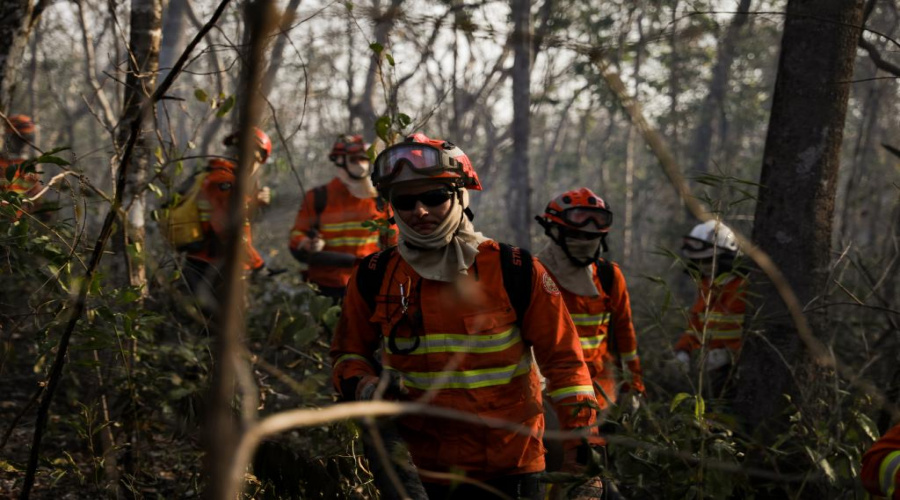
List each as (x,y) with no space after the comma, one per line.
(629,356)
(590,319)
(465,379)
(448,342)
(341,226)
(297,232)
(722,318)
(719,334)
(592,342)
(337,242)
(348,357)
(575,390)
(887,473)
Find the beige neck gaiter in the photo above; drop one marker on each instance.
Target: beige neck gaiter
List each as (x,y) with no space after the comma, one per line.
(448,251)
(359,188)
(576,279)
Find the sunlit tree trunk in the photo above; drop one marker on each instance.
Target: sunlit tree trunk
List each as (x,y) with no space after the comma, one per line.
(17,19)
(519,185)
(169,114)
(794,214)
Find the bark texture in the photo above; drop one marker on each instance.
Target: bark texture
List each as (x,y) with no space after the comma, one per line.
(519,185)
(17,18)
(796,199)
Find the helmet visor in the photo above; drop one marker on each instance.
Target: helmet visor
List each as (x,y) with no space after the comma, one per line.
(585,217)
(423,159)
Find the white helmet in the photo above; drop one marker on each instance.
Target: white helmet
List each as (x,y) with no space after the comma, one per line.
(708,239)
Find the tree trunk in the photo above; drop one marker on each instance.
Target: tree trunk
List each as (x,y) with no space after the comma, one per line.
(718,87)
(794,214)
(173,133)
(17,18)
(519,187)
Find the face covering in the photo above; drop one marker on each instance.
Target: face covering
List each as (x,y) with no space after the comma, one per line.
(574,278)
(359,188)
(446,253)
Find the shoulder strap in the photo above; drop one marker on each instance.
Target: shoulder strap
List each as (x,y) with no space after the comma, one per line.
(320,199)
(516,266)
(370,275)
(605,273)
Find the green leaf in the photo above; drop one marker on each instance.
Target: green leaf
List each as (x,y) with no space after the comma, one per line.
(383,128)
(226,107)
(389,57)
(681,396)
(403,120)
(348,6)
(11,173)
(867,425)
(376,47)
(156,190)
(7,467)
(200,94)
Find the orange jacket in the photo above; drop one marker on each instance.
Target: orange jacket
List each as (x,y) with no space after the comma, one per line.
(471,357)
(213,202)
(723,323)
(340,225)
(881,465)
(592,317)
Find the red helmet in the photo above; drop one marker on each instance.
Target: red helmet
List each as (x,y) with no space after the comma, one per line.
(22,124)
(262,141)
(579,209)
(347,145)
(419,157)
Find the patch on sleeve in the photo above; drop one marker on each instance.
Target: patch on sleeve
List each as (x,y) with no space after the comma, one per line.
(549,285)
(224,186)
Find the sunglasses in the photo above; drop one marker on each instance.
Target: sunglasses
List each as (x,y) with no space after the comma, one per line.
(431,199)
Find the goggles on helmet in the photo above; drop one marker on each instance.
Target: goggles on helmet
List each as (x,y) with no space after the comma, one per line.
(423,159)
(582,217)
(695,244)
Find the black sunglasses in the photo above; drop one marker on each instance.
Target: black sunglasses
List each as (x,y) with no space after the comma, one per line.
(431,199)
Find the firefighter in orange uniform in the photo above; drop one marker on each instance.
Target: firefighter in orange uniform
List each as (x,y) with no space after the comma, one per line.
(19,136)
(593,288)
(881,466)
(717,317)
(328,234)
(453,332)
(202,265)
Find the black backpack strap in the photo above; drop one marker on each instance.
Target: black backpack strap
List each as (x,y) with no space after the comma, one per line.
(320,199)
(516,266)
(605,274)
(370,275)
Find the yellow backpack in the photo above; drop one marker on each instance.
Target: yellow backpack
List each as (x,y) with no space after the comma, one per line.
(179,220)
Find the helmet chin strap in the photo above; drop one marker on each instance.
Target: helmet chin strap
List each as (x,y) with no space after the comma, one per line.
(560,239)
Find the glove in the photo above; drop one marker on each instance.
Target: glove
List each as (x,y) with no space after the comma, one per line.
(631,402)
(717,358)
(264,196)
(393,387)
(312,245)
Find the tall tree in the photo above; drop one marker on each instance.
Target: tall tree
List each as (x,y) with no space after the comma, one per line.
(794,214)
(519,186)
(17,19)
(143,64)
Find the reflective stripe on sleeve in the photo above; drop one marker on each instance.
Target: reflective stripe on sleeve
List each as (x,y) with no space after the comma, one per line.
(447,342)
(465,379)
(575,390)
(731,334)
(722,317)
(629,356)
(592,342)
(348,357)
(342,226)
(337,242)
(590,319)
(887,473)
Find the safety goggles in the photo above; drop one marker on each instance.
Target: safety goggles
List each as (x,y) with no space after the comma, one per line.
(430,199)
(582,217)
(695,244)
(423,159)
